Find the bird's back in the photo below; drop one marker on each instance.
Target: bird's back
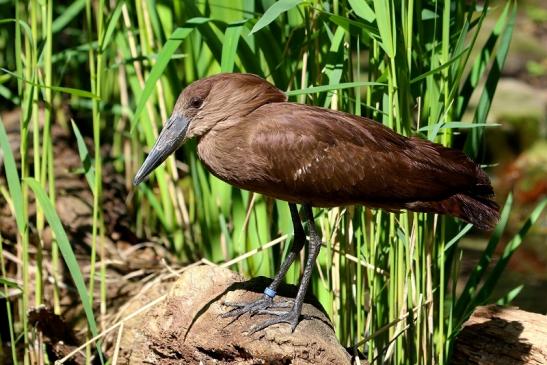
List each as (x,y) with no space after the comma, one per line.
(307,154)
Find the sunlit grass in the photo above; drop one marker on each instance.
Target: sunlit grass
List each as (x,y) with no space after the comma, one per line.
(387,281)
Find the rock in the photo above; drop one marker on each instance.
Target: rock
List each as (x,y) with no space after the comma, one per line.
(515,100)
(525,47)
(187,327)
(522,112)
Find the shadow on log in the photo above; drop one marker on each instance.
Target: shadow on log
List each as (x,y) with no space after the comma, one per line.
(187,327)
(496,335)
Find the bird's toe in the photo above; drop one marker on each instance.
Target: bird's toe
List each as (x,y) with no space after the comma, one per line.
(291,317)
(252,307)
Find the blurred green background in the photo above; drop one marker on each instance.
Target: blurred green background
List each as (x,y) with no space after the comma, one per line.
(86,85)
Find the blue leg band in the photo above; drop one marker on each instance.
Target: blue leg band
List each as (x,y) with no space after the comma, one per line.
(270,292)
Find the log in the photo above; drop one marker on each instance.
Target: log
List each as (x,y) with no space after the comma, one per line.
(502,336)
(187,327)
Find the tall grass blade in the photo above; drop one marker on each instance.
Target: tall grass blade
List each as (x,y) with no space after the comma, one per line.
(61,89)
(493,277)
(510,295)
(89,170)
(471,287)
(384,20)
(273,12)
(229,47)
(9,283)
(338,86)
(351,26)
(169,48)
(487,96)
(21,23)
(481,62)
(67,15)
(362,9)
(111,26)
(14,184)
(67,253)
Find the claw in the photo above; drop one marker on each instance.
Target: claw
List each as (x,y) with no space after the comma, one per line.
(265,306)
(291,317)
(252,308)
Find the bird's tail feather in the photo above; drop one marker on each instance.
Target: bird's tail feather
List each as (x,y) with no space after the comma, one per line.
(480,211)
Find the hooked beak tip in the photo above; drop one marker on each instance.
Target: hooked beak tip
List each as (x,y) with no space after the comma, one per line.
(140,176)
(170,138)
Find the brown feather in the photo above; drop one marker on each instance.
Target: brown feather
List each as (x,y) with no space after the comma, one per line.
(326,158)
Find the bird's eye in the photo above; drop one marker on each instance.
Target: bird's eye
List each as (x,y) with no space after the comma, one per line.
(196,102)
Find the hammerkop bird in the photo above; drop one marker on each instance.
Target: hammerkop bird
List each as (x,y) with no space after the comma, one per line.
(251,137)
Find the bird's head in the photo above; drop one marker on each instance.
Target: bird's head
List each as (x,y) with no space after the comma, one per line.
(202,105)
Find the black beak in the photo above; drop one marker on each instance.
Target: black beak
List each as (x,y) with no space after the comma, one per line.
(171,137)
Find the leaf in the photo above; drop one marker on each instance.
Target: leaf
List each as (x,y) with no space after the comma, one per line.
(66,251)
(61,89)
(9,283)
(273,12)
(229,47)
(383,19)
(111,26)
(363,10)
(14,184)
(67,16)
(441,67)
(428,14)
(8,95)
(347,24)
(156,205)
(457,237)
(25,26)
(162,60)
(334,64)
(89,170)
(323,88)
(490,283)
(464,301)
(510,296)
(433,129)
(487,96)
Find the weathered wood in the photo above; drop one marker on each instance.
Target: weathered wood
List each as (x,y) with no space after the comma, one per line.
(187,328)
(496,335)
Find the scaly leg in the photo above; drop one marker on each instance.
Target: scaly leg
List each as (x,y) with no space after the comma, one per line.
(269,293)
(293,315)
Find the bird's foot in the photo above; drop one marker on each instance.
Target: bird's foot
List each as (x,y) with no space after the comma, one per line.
(291,317)
(257,307)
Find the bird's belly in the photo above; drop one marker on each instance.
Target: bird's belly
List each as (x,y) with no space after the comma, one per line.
(248,178)
(280,191)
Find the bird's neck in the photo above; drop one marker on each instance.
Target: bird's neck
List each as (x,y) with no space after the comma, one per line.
(225,153)
(216,151)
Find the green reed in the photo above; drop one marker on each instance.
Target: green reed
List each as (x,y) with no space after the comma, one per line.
(386,280)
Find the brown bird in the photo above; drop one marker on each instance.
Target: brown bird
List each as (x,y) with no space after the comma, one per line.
(252,138)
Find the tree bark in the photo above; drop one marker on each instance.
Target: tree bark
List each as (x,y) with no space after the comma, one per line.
(502,336)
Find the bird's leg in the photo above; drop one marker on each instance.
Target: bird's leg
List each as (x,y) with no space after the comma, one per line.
(293,315)
(270,292)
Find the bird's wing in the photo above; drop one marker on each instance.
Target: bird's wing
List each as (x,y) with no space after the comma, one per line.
(321,155)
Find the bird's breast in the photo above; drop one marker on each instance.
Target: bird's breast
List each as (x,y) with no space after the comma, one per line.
(227,155)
